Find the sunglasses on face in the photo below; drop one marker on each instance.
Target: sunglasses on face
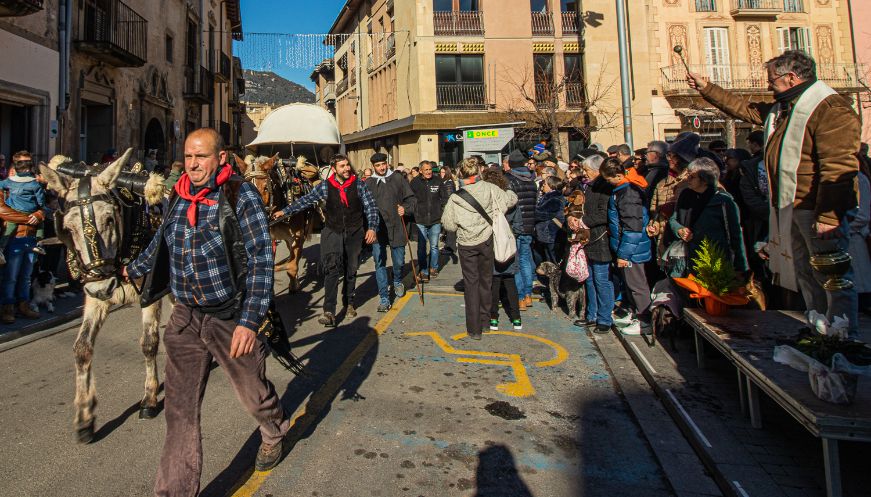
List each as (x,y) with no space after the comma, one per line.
(25,163)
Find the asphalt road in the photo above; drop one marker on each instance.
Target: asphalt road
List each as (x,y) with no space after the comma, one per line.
(395,404)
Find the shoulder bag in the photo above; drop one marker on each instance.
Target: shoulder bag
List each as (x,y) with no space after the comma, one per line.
(504,243)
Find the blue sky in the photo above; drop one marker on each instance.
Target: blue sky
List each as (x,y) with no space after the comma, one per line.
(290,16)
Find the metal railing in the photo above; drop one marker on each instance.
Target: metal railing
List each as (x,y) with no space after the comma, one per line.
(542,24)
(222,66)
(754,78)
(199,84)
(761,6)
(461,96)
(342,87)
(793,5)
(546,95)
(455,23)
(19,7)
(575,95)
(570,23)
(328,92)
(391,46)
(113,32)
(706,5)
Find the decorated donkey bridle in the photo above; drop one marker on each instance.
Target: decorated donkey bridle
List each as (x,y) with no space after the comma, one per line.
(100,267)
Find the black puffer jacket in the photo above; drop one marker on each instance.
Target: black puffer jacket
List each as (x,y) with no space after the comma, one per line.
(432,195)
(596,218)
(522,182)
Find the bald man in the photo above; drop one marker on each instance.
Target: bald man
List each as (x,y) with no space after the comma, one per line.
(214,253)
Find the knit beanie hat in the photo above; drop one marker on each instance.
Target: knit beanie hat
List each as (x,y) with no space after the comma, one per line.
(687,148)
(516,159)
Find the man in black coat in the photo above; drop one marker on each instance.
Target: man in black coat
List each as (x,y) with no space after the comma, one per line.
(521,181)
(754,195)
(395,199)
(432,194)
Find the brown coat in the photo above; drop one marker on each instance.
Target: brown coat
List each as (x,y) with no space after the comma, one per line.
(11,215)
(826,176)
(662,204)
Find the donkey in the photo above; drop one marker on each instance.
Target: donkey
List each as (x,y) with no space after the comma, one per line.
(105,225)
(278,188)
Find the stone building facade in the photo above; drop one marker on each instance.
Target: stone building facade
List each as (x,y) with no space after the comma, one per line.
(29,75)
(860,13)
(140,73)
(392,87)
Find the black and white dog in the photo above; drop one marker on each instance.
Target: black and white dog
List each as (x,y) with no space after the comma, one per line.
(43,291)
(572,291)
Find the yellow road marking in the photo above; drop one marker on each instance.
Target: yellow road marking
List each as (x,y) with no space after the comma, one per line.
(303,418)
(561,353)
(522,386)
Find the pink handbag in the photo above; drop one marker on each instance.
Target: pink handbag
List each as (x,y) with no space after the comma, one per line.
(576,265)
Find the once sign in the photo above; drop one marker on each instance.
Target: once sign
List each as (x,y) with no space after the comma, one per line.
(487,140)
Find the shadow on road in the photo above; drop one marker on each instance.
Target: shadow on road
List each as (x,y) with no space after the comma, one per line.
(497,474)
(339,362)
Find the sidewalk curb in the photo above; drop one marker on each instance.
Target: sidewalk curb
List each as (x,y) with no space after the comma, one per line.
(675,410)
(39,330)
(70,320)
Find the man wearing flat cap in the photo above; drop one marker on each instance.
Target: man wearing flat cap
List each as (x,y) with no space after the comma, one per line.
(394,199)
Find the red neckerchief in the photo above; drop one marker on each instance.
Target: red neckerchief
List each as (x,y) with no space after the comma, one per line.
(471,181)
(342,187)
(183,189)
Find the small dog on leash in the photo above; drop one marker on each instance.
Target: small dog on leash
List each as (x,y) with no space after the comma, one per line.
(572,291)
(43,291)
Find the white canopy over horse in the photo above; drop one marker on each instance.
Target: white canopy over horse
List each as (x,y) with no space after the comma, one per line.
(296,125)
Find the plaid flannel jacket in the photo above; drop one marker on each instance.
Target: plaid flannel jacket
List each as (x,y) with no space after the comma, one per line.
(199,272)
(319,194)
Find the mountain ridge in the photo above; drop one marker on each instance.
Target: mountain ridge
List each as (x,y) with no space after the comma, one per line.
(266,87)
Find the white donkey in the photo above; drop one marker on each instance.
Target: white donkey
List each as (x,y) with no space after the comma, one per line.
(93,226)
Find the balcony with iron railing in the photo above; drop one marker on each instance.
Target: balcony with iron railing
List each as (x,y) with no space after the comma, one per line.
(222,66)
(461,96)
(390,48)
(570,23)
(753,79)
(574,91)
(542,24)
(458,23)
(793,5)
(112,32)
(756,8)
(341,87)
(328,92)
(199,85)
(706,5)
(14,8)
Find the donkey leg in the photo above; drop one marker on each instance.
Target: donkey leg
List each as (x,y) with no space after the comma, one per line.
(150,342)
(86,399)
(294,244)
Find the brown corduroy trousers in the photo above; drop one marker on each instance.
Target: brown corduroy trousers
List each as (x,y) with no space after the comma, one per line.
(192,339)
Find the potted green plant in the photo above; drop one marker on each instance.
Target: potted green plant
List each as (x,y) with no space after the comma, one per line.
(714,280)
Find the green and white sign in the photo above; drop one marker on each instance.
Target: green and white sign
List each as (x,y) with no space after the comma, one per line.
(486,140)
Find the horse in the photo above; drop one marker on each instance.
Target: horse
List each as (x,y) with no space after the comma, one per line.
(105,223)
(279,187)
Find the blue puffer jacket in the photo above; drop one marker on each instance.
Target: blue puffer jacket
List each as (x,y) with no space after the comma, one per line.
(522,182)
(627,220)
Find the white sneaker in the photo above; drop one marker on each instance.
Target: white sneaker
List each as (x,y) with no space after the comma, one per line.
(622,320)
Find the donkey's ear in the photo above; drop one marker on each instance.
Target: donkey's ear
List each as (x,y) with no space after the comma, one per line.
(55,182)
(241,164)
(108,177)
(270,163)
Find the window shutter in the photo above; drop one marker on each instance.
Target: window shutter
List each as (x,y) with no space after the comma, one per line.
(783,39)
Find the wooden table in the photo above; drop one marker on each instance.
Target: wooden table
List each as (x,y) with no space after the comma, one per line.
(747,339)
